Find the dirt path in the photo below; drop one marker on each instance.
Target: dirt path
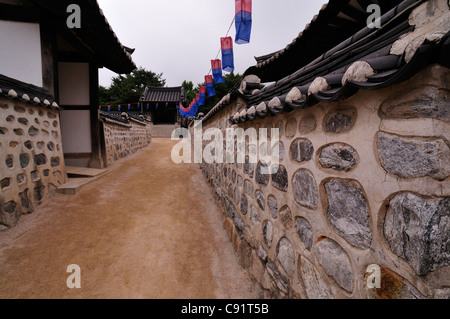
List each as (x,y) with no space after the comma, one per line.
(149,229)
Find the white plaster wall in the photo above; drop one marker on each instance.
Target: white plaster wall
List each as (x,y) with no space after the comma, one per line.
(76,131)
(73,83)
(20,53)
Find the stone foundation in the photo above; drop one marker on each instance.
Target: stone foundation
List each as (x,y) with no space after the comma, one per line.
(31,158)
(362,181)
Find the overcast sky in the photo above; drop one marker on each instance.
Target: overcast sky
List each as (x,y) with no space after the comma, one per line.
(179,38)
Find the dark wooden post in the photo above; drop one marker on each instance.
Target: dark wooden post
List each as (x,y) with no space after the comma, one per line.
(96,160)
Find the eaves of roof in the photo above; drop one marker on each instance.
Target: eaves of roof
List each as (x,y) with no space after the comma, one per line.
(363,61)
(27,93)
(337,21)
(163,94)
(95,33)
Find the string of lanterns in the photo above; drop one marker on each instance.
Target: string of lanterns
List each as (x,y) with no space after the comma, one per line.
(243,24)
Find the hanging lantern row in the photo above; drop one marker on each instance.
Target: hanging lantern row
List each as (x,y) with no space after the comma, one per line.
(243,24)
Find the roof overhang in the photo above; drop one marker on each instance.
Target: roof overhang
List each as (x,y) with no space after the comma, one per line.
(95,33)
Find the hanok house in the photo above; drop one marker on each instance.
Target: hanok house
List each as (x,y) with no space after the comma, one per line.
(49,97)
(361,197)
(161,103)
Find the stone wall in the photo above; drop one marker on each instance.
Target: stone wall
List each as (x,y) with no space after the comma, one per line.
(122,140)
(362,181)
(31,158)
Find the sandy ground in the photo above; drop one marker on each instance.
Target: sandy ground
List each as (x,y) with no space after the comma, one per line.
(150,229)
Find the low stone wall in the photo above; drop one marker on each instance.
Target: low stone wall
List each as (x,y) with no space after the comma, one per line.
(363,181)
(122,140)
(31,158)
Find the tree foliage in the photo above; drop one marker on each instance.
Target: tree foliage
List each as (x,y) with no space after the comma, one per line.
(222,89)
(129,88)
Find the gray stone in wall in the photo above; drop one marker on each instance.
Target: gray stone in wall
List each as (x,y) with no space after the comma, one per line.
(408,157)
(249,168)
(286,218)
(273,206)
(231,209)
(260,199)
(315,286)
(305,232)
(291,127)
(55,161)
(51,146)
(22,121)
(305,189)
(255,218)
(40,159)
(32,131)
(38,193)
(35,176)
(248,187)
(268,233)
(417,228)
(8,214)
(308,124)
(280,281)
(262,254)
(28,145)
(239,222)
(261,178)
(230,190)
(286,255)
(10,207)
(340,120)
(5,182)
(21,178)
(244,204)
(335,262)
(302,150)
(339,157)
(9,162)
(280,179)
(24,199)
(240,182)
(348,212)
(281,151)
(423,102)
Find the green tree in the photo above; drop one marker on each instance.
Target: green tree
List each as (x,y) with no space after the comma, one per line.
(191,93)
(222,89)
(129,88)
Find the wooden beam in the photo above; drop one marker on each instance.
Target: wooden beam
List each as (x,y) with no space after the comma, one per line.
(96,158)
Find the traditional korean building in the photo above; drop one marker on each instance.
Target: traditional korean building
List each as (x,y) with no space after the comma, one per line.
(359,203)
(161,104)
(49,96)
